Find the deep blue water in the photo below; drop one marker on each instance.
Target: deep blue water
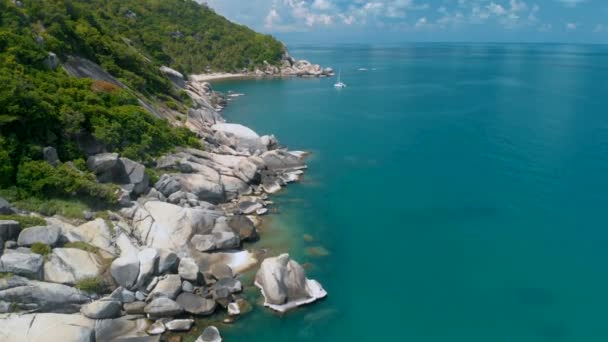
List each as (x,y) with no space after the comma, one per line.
(461,192)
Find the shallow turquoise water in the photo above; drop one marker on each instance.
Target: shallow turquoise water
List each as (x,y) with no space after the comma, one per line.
(461,191)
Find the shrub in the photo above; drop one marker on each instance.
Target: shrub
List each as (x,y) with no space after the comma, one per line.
(24,221)
(91,285)
(81,245)
(4,275)
(41,248)
(38,178)
(153,175)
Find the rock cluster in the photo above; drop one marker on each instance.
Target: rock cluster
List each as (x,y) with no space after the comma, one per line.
(173,252)
(292,67)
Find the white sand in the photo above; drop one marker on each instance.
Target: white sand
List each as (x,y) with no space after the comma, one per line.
(216,76)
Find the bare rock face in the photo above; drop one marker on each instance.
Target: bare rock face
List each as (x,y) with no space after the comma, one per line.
(9,229)
(102,309)
(43,327)
(215,241)
(5,207)
(48,235)
(41,296)
(195,304)
(169,287)
(125,270)
(109,168)
(96,233)
(284,284)
(23,264)
(168,226)
(246,139)
(163,307)
(70,265)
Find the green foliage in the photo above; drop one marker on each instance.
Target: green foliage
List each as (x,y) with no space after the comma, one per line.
(91,285)
(81,245)
(24,221)
(153,175)
(4,275)
(38,178)
(41,248)
(67,207)
(130,39)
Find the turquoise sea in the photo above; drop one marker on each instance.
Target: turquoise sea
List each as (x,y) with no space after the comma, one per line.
(455,192)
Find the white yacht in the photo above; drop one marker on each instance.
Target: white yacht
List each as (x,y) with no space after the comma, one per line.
(339,84)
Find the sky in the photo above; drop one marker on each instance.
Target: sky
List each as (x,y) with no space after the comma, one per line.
(391,21)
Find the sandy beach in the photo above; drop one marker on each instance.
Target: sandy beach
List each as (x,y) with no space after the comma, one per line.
(217,76)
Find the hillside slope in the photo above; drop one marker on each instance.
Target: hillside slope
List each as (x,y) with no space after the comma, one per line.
(41,105)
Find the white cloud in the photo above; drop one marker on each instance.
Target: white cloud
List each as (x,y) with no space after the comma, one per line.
(322,4)
(599,28)
(518,6)
(571,3)
(272,18)
(532,18)
(496,9)
(347,19)
(422,22)
(571,26)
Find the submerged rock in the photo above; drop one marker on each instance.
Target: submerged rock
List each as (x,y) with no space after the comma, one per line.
(284,284)
(210,334)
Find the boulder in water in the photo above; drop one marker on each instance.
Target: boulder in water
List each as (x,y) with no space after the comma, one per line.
(284,284)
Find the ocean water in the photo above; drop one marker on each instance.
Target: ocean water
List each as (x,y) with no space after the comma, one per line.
(455,192)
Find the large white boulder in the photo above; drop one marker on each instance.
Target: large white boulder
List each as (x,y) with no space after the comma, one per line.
(41,296)
(23,264)
(284,284)
(164,225)
(48,235)
(246,138)
(45,327)
(70,265)
(95,233)
(206,186)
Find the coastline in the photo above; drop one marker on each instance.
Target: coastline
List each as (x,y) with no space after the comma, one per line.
(196,217)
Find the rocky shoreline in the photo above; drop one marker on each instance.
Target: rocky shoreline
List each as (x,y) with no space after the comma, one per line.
(172,252)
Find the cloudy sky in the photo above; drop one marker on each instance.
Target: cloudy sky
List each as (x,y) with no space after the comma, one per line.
(422,20)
